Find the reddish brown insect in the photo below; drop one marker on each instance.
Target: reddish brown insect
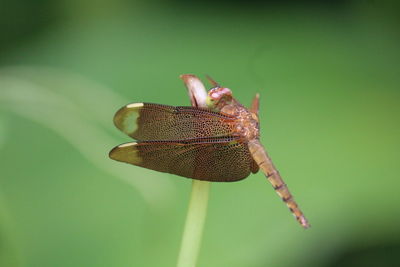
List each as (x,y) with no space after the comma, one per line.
(220,144)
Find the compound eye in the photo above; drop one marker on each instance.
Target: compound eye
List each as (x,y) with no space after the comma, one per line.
(214,96)
(219,92)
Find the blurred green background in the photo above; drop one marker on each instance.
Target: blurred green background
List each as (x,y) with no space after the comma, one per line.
(328,74)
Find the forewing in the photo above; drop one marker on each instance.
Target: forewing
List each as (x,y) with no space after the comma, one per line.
(145,122)
(217,160)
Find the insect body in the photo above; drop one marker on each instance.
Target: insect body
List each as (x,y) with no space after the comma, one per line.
(219,144)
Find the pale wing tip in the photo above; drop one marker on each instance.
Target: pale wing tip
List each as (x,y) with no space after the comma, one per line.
(125,118)
(127,152)
(134,105)
(112,153)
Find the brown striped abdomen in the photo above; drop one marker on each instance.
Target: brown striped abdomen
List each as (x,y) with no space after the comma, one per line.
(261,157)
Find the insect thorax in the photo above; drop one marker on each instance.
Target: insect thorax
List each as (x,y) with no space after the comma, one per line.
(246,126)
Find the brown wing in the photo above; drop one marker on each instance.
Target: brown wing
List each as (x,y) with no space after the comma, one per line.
(145,122)
(209,159)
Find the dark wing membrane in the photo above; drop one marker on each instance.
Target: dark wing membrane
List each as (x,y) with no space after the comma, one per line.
(145,122)
(212,159)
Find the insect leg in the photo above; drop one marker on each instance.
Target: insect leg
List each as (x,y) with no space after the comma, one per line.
(255,104)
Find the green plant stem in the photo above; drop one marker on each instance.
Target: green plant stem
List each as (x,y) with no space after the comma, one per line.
(197,210)
(195,218)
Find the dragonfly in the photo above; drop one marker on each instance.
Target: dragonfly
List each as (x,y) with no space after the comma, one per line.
(220,143)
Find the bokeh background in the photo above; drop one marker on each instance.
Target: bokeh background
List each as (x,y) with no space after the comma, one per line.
(328,73)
